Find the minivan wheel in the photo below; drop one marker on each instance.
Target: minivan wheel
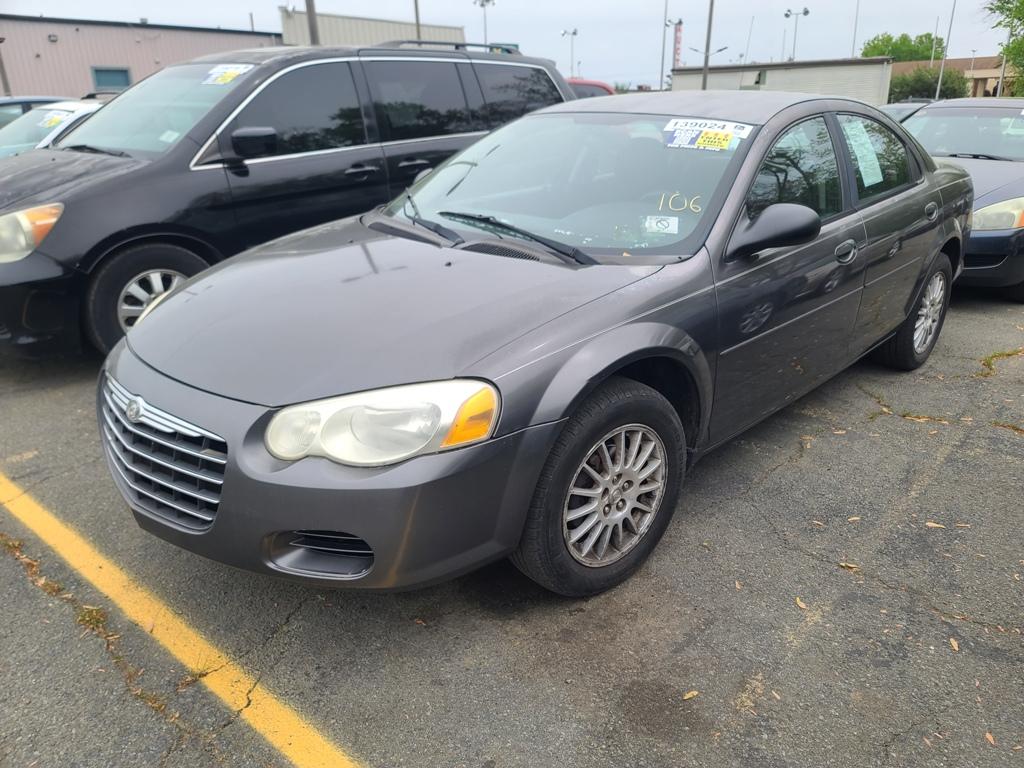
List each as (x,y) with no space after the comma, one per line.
(130,281)
(607,492)
(916,338)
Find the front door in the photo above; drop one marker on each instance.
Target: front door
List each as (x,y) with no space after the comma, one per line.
(322,169)
(786,314)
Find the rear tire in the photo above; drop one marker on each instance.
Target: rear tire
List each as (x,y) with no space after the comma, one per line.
(553,550)
(155,264)
(916,338)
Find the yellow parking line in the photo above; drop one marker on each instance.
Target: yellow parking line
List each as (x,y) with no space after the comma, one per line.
(285,729)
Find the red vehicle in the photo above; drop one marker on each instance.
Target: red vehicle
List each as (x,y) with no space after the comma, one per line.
(584,89)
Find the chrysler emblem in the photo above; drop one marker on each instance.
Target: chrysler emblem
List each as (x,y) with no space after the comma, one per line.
(134,409)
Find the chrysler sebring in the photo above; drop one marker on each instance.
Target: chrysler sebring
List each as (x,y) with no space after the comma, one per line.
(524,353)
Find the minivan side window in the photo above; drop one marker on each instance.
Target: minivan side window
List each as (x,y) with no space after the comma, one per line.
(418,99)
(312,108)
(879,158)
(801,168)
(513,90)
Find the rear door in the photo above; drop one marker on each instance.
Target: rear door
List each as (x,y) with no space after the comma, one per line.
(901,215)
(423,111)
(323,168)
(786,314)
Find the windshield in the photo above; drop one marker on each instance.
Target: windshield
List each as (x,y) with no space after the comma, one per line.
(32,127)
(614,185)
(152,116)
(993,131)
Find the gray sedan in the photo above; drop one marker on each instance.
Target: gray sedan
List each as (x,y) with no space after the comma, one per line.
(525,354)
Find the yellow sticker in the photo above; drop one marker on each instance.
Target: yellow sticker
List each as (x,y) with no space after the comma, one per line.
(714,140)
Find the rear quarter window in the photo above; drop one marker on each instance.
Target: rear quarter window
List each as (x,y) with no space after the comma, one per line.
(418,99)
(510,91)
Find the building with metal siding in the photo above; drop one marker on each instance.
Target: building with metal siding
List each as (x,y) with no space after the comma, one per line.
(71,57)
(356,30)
(864,79)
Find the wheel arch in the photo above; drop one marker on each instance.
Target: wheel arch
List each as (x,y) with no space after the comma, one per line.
(184,238)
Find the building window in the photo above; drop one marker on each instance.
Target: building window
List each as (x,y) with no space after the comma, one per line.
(110,78)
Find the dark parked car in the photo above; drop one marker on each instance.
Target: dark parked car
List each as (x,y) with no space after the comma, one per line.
(585,89)
(13,107)
(985,136)
(526,353)
(205,159)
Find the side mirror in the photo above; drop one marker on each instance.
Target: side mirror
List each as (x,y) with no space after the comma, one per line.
(254,142)
(776,226)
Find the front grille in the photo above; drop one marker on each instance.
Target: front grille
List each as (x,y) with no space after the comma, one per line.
(171,468)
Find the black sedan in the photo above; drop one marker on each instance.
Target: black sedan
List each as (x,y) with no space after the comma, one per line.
(525,354)
(986,137)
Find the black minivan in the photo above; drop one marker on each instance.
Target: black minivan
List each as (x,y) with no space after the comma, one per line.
(205,159)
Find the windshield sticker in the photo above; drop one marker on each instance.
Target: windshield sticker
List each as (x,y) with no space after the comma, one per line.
(711,135)
(169,136)
(223,74)
(662,225)
(52,119)
(864,151)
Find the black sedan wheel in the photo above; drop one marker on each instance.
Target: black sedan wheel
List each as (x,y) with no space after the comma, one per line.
(128,283)
(607,492)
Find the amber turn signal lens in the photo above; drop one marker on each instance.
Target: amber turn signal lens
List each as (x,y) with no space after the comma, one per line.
(474,419)
(40,220)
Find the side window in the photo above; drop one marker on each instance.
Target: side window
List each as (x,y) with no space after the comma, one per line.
(312,108)
(418,99)
(880,159)
(801,168)
(511,91)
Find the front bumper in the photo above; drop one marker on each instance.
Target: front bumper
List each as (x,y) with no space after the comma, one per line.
(426,520)
(38,302)
(994,259)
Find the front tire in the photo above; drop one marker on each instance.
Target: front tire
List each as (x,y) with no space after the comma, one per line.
(128,282)
(916,338)
(607,493)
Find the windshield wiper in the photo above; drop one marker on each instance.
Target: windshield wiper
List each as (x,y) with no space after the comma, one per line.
(975,156)
(433,226)
(96,150)
(565,250)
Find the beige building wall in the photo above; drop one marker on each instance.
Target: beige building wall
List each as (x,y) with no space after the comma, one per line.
(355,30)
(51,57)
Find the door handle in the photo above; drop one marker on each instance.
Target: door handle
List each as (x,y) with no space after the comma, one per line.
(415,163)
(846,251)
(361,170)
(931,211)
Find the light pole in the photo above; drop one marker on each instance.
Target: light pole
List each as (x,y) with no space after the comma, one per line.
(707,47)
(945,53)
(661,72)
(795,15)
(311,20)
(1002,67)
(670,23)
(571,34)
(973,52)
(856,18)
(483,4)
(707,55)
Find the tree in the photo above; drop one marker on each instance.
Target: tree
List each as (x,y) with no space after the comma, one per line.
(905,47)
(920,84)
(1009,15)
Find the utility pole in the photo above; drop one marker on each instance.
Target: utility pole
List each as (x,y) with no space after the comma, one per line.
(661,72)
(750,33)
(6,85)
(571,34)
(707,46)
(314,29)
(416,8)
(999,88)
(252,23)
(935,40)
(945,53)
(856,18)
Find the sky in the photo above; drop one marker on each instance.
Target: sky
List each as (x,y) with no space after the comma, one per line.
(616,41)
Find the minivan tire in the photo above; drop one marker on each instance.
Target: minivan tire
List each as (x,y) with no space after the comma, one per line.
(544,549)
(102,325)
(899,351)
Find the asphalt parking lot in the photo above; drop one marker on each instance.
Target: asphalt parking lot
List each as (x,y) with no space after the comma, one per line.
(843,585)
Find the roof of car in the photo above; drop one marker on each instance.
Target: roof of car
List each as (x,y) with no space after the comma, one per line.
(297,53)
(755,107)
(24,99)
(1005,103)
(71,105)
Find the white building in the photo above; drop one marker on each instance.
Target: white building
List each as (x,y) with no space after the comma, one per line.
(356,30)
(864,79)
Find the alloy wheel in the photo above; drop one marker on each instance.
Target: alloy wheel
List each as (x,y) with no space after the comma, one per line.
(929,313)
(143,290)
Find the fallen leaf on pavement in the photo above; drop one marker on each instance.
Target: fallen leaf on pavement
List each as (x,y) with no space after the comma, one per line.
(931,524)
(801,604)
(838,431)
(954,644)
(739,585)
(963,525)
(777,697)
(818,522)
(690,695)
(850,566)
(990,738)
(853,519)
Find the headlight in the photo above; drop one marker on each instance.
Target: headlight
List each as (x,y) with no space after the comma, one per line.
(21,232)
(385,426)
(1008,214)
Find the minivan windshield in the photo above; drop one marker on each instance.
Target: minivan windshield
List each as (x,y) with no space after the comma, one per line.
(995,133)
(151,117)
(616,186)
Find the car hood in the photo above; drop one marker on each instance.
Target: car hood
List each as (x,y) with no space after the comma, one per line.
(294,321)
(50,174)
(994,180)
